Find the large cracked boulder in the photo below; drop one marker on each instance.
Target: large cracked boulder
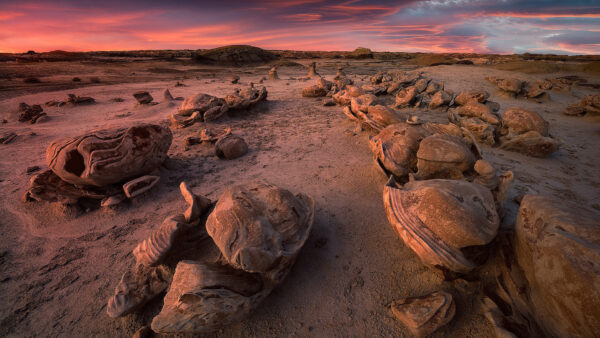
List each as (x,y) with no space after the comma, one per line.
(519,121)
(107,156)
(246,98)
(260,228)
(447,223)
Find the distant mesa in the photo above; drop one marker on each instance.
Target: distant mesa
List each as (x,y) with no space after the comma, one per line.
(236,55)
(360,53)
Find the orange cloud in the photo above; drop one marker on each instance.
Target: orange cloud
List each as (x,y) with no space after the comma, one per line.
(302,17)
(7,15)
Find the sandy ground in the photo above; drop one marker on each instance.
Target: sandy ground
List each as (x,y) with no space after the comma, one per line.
(58,268)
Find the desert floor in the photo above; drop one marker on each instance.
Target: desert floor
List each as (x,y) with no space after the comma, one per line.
(58,267)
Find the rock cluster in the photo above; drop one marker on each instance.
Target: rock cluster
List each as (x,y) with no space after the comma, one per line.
(205,108)
(589,105)
(517,129)
(256,228)
(515,87)
(72,99)
(29,113)
(525,131)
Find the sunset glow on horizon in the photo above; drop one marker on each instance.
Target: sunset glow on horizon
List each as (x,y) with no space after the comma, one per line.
(461,26)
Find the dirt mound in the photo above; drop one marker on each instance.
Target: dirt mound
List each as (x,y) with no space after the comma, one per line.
(235,55)
(360,53)
(426,60)
(287,63)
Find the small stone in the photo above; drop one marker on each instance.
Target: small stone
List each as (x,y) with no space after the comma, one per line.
(424,315)
(32,169)
(167,95)
(6,138)
(112,200)
(143,332)
(328,102)
(41,118)
(143,97)
(231,147)
(273,74)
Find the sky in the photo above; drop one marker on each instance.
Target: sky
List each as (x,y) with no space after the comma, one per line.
(461,26)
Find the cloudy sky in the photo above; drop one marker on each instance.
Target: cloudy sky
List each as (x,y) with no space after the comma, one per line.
(483,26)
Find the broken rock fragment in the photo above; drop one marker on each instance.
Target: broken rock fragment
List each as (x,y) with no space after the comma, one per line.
(313,91)
(154,249)
(138,286)
(424,315)
(139,185)
(205,297)
(30,113)
(143,97)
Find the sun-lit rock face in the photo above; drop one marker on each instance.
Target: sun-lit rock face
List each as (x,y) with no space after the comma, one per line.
(438,219)
(443,156)
(553,277)
(108,156)
(518,121)
(464,97)
(260,228)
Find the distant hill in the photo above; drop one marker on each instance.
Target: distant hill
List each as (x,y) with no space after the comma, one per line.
(235,55)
